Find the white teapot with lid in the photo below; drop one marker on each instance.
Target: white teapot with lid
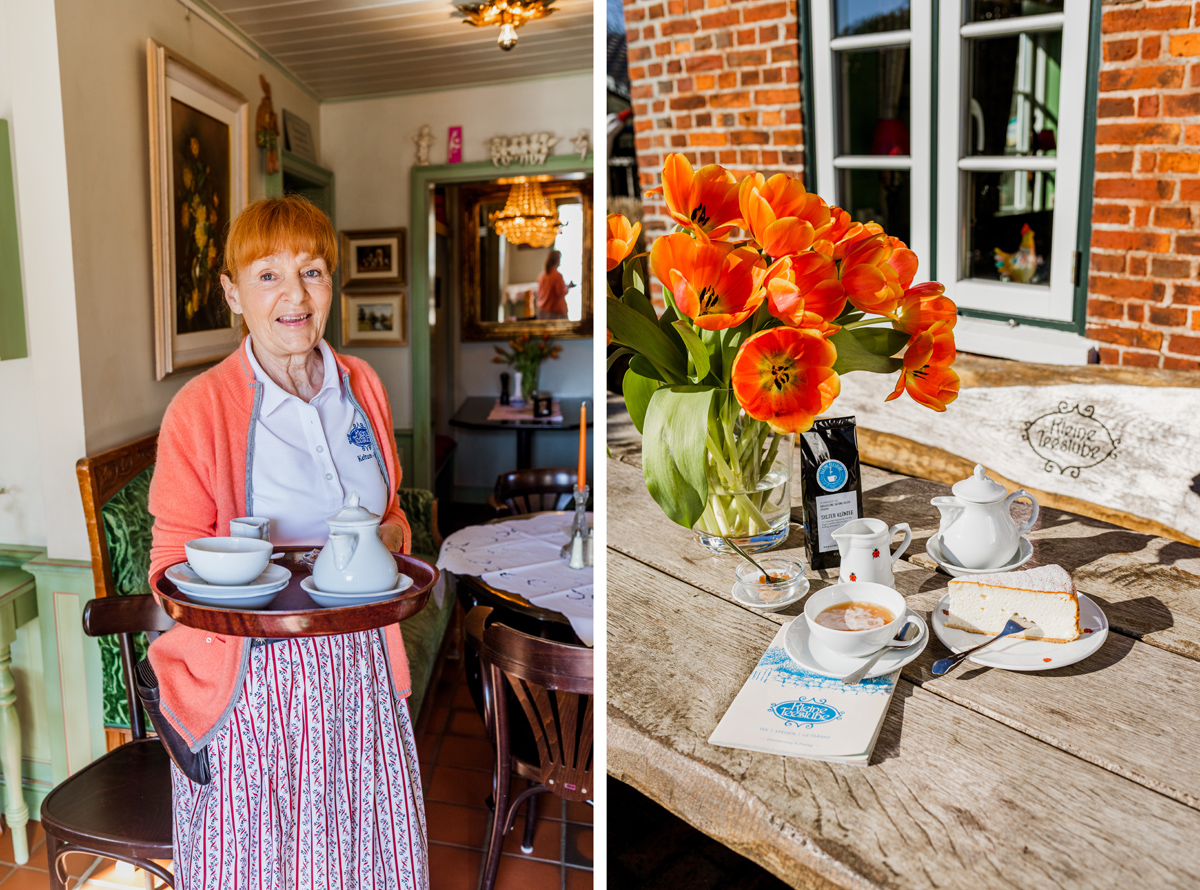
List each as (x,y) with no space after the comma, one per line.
(977,530)
(355,560)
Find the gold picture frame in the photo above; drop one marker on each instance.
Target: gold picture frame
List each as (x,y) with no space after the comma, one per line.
(199,181)
(374,258)
(375,318)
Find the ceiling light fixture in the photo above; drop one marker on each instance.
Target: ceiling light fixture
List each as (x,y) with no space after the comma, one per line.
(528,217)
(507,14)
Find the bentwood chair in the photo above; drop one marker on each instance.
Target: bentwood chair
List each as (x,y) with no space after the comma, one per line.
(552,683)
(533,490)
(120,805)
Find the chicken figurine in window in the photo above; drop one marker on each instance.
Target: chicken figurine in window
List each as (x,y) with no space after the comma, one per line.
(1020,266)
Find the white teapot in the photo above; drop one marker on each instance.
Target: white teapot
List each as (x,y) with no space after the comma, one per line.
(977,530)
(355,560)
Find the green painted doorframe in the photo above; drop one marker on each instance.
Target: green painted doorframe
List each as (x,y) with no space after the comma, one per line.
(424,179)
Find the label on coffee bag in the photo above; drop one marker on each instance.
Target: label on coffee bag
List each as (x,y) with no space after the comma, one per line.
(834,511)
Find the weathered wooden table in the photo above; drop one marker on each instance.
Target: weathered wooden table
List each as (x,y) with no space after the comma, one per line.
(1086,776)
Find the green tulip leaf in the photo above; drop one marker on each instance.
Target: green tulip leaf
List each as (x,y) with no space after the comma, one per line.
(640,365)
(673,450)
(853,356)
(638,390)
(630,328)
(635,299)
(694,347)
(616,354)
(631,275)
(881,341)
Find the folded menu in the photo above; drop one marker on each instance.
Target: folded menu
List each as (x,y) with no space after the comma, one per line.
(784,709)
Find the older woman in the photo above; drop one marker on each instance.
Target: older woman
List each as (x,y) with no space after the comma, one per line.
(309,744)
(552,289)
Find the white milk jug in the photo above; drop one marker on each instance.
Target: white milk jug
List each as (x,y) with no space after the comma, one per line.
(864,546)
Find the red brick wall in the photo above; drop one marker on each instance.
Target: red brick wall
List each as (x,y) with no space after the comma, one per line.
(1143,297)
(719,82)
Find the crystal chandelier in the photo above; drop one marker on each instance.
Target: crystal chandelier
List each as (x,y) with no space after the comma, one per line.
(528,217)
(507,14)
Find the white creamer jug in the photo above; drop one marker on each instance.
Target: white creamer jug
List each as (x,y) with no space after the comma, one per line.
(977,530)
(355,560)
(864,546)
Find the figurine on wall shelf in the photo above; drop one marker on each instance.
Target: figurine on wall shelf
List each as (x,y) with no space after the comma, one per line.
(266,122)
(582,143)
(423,140)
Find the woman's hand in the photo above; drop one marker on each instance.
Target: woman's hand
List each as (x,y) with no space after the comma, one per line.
(392,537)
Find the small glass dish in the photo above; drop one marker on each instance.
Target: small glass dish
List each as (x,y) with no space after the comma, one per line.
(786,585)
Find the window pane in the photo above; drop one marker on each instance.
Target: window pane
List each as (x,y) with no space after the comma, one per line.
(1010,222)
(869,16)
(882,196)
(1013,99)
(873,102)
(989,10)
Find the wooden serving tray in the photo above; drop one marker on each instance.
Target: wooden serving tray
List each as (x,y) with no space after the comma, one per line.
(293,613)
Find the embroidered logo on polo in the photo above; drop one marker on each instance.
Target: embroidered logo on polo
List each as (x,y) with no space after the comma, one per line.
(361,436)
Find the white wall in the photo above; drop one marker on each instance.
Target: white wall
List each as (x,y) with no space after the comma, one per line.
(368,144)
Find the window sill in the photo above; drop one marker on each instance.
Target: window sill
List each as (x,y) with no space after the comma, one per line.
(1024,343)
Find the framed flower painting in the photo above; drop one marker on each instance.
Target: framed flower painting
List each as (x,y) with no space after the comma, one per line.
(199,169)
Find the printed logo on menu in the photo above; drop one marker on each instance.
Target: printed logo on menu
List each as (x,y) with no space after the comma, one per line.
(805,713)
(361,436)
(832,475)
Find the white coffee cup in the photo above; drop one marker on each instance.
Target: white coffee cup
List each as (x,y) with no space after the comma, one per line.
(228,561)
(857,643)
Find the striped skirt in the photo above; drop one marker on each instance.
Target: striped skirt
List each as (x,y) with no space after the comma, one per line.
(315,779)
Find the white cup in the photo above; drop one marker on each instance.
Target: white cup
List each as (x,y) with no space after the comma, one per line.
(230,561)
(250,527)
(857,643)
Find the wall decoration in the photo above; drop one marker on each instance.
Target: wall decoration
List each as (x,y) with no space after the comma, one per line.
(298,136)
(454,146)
(582,143)
(266,126)
(423,140)
(375,319)
(199,156)
(373,257)
(529,148)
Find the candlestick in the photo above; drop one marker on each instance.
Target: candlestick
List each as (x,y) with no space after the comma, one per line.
(583,445)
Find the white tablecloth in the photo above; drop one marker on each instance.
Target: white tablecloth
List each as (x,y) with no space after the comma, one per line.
(522,556)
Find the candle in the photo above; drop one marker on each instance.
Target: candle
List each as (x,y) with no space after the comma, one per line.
(583,445)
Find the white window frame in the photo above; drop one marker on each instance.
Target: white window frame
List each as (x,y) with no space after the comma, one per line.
(919,40)
(1055,302)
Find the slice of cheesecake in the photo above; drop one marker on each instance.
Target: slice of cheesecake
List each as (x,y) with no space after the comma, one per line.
(1043,599)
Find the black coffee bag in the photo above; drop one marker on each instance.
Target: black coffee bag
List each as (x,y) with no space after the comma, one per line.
(832,486)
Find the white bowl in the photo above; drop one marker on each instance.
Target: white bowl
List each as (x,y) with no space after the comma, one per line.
(228,561)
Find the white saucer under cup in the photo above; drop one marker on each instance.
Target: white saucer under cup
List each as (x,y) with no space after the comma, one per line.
(797,642)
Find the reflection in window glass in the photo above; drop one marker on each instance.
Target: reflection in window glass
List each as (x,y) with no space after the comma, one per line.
(988,10)
(882,196)
(1014,85)
(869,16)
(873,98)
(1010,220)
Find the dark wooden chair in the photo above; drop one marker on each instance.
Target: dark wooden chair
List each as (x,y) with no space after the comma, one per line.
(552,682)
(120,805)
(534,490)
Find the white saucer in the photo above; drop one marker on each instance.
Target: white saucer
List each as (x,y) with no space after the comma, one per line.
(1027,655)
(337,600)
(934,548)
(183,576)
(820,661)
(743,598)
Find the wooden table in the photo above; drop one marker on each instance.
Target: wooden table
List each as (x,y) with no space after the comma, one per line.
(472,414)
(1081,777)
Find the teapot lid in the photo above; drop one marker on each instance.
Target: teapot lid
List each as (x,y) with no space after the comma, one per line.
(352,512)
(979,488)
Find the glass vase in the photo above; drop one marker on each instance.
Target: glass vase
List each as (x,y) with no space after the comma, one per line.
(529,383)
(749,469)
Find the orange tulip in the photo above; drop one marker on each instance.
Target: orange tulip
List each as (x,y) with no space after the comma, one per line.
(785,376)
(927,374)
(715,284)
(871,284)
(703,200)
(621,239)
(805,284)
(842,233)
(922,306)
(781,216)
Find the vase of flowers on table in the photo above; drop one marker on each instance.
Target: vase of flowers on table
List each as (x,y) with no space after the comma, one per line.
(770,295)
(525,356)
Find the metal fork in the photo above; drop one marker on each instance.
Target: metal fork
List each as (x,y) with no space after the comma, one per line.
(943,665)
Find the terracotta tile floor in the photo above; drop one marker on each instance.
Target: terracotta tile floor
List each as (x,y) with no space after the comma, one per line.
(456,771)
(86,871)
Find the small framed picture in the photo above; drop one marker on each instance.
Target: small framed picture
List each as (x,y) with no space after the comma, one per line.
(374,257)
(375,319)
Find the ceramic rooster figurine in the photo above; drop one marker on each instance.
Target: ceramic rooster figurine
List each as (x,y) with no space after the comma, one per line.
(1021,265)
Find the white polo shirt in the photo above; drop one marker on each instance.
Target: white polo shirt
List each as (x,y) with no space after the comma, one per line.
(309,456)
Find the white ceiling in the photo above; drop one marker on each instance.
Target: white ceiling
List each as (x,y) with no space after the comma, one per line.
(351,48)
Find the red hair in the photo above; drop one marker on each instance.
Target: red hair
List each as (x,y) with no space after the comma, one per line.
(291,223)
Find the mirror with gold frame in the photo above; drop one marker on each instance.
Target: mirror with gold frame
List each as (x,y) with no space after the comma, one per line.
(511,288)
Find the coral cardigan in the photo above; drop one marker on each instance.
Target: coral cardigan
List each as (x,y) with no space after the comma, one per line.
(202,479)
